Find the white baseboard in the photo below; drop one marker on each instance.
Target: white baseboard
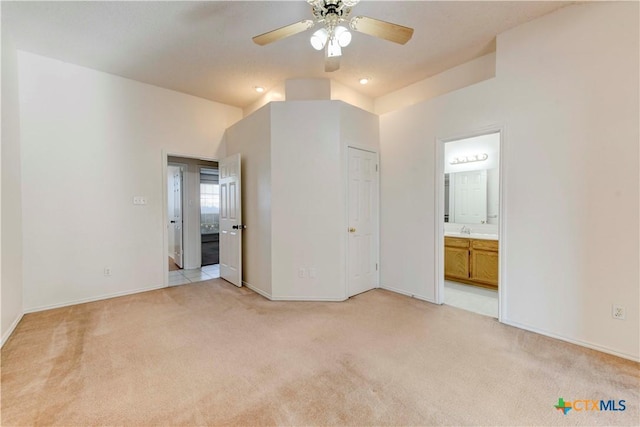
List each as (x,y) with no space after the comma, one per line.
(257,290)
(288,298)
(12,328)
(581,343)
(92,299)
(409,294)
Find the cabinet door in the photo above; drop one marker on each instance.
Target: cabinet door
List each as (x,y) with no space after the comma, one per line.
(456,262)
(484,267)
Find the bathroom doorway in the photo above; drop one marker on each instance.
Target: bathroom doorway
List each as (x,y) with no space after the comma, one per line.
(469,222)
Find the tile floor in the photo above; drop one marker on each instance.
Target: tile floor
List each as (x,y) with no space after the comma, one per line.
(184,277)
(471,298)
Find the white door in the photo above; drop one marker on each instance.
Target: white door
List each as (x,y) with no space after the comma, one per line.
(176,220)
(470,197)
(362,266)
(230,220)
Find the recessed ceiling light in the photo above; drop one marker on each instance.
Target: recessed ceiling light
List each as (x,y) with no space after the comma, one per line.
(259,89)
(364,80)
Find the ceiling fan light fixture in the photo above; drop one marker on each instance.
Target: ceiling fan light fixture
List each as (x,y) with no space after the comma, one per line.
(343,36)
(319,39)
(333,49)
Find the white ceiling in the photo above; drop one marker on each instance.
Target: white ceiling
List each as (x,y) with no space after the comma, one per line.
(205,48)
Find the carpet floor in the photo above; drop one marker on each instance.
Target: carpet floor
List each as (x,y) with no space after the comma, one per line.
(213,354)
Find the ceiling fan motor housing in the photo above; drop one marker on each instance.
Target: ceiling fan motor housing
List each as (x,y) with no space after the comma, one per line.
(334,10)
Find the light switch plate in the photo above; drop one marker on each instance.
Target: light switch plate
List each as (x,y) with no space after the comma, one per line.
(139,200)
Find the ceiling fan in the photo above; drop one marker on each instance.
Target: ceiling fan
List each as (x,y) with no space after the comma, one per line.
(333,36)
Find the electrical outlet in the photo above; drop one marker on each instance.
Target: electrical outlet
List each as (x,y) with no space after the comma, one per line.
(313,273)
(618,312)
(301,273)
(107,271)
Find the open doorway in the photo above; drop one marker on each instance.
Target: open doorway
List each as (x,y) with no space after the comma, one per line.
(192,212)
(470,217)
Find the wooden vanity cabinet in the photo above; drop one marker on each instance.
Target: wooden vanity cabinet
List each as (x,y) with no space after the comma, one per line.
(472,261)
(456,258)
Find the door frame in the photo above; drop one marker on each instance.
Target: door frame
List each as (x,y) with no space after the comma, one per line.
(377,207)
(165,202)
(439,214)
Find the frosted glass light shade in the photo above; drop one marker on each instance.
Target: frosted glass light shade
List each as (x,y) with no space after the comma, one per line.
(319,39)
(343,36)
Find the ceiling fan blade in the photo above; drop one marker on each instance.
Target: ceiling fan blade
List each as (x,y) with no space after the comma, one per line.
(282,32)
(331,64)
(382,29)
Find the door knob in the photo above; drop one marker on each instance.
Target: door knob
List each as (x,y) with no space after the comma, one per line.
(352,230)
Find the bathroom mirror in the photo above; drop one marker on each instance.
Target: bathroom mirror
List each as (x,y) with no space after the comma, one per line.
(471,197)
(471,167)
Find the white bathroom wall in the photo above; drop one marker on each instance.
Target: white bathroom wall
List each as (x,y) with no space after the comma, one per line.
(11,260)
(251,137)
(566,92)
(91,141)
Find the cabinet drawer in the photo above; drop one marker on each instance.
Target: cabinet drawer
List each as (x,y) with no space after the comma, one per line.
(485,245)
(455,242)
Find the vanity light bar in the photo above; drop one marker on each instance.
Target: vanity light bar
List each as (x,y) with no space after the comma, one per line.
(468,159)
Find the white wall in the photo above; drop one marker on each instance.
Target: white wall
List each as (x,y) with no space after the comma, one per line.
(294,194)
(566,91)
(308,206)
(340,92)
(11,201)
(251,137)
(274,94)
(467,74)
(91,141)
(309,182)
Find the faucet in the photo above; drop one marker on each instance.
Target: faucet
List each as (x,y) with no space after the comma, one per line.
(465,230)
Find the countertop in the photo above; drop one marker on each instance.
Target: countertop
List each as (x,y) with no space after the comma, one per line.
(472,235)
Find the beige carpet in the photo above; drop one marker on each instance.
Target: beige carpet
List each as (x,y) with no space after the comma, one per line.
(212,354)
